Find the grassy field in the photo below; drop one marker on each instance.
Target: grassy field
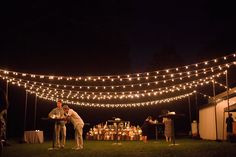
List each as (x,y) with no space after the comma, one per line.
(186,148)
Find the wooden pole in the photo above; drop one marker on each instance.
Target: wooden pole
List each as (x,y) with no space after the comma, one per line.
(26,102)
(197,113)
(7,86)
(7,90)
(227,85)
(227,88)
(35,111)
(214,101)
(196,107)
(189,107)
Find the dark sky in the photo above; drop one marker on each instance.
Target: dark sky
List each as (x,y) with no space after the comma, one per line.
(119,36)
(112,37)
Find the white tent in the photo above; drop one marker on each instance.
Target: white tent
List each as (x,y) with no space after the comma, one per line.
(207,114)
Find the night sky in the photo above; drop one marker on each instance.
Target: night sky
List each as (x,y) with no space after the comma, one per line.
(109,37)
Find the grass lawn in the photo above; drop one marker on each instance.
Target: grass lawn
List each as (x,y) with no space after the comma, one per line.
(186,148)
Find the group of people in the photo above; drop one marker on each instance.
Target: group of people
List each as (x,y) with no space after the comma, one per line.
(64,114)
(168,131)
(67,114)
(168,124)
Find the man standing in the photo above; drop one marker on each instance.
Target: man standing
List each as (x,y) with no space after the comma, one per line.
(78,126)
(229,122)
(60,127)
(3,119)
(3,116)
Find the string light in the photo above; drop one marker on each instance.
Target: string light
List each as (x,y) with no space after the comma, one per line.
(113,95)
(129,86)
(149,83)
(109,105)
(112,78)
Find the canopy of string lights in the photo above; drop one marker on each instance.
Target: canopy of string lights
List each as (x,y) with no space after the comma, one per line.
(129,90)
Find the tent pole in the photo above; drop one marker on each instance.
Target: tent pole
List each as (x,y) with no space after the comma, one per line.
(7,90)
(7,86)
(197,113)
(196,106)
(189,108)
(227,85)
(214,101)
(26,102)
(35,111)
(224,125)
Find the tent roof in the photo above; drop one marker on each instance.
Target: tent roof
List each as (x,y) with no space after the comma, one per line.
(232,108)
(220,97)
(223,95)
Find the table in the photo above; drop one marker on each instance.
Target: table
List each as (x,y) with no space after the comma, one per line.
(172,117)
(53,121)
(117,122)
(34,136)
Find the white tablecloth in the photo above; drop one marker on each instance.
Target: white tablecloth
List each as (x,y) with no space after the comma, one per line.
(33,136)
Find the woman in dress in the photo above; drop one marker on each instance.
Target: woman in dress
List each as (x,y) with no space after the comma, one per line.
(168,129)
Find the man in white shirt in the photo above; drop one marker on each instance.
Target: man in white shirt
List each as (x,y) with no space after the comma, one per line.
(60,127)
(78,126)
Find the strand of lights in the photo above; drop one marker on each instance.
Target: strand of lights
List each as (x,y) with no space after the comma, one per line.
(167,87)
(205,95)
(128,78)
(108,105)
(172,76)
(64,86)
(105,97)
(122,96)
(212,97)
(109,96)
(112,78)
(28,83)
(209,97)
(135,85)
(222,85)
(39,89)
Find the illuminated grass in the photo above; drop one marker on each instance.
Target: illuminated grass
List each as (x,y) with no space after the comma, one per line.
(186,148)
